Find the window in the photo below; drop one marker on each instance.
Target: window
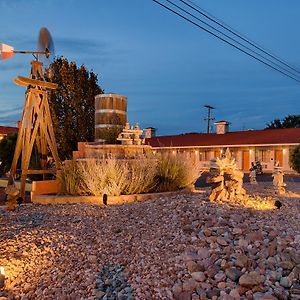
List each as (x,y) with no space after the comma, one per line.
(204,155)
(262,155)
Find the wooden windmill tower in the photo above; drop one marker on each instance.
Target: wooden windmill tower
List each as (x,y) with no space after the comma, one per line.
(36,128)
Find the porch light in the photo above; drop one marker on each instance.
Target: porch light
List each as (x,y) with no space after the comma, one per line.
(196,152)
(174,152)
(283,150)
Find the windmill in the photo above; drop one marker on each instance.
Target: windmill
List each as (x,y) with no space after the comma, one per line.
(36,126)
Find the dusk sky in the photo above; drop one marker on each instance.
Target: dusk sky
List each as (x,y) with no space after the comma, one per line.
(167,68)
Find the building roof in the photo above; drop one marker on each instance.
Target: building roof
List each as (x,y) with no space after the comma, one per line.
(251,137)
(4,130)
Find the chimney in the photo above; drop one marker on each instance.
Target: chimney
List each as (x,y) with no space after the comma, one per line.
(222,127)
(149,132)
(18,124)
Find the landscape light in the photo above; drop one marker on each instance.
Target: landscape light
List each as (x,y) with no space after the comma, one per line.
(2,277)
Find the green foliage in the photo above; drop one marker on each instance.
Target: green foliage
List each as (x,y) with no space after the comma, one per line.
(119,177)
(291,121)
(7,149)
(72,104)
(295,159)
(110,135)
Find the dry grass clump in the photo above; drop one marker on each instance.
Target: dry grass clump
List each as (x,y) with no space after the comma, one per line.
(174,173)
(70,178)
(124,177)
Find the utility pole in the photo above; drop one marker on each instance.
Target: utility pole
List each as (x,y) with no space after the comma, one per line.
(209,107)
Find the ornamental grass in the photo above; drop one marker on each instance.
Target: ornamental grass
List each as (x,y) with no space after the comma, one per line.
(125,177)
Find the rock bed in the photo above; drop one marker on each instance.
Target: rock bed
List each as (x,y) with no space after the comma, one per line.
(180,247)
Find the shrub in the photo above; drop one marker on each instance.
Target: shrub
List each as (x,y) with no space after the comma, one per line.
(116,177)
(141,175)
(174,173)
(121,177)
(70,178)
(295,159)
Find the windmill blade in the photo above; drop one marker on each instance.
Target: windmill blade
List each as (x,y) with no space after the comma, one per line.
(45,42)
(6,51)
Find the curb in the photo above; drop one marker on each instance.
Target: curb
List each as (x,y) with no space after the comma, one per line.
(98,200)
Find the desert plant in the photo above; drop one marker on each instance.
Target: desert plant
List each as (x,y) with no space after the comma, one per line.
(70,178)
(140,178)
(116,177)
(104,177)
(174,173)
(125,177)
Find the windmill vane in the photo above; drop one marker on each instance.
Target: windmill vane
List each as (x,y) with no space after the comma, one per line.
(45,47)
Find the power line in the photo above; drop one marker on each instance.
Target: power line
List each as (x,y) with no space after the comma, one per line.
(222,39)
(230,38)
(234,32)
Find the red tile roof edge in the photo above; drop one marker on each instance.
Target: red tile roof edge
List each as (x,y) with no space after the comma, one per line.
(250,137)
(8,129)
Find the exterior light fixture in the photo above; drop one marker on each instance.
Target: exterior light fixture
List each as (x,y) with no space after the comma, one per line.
(2,277)
(104,199)
(173,151)
(283,150)
(196,152)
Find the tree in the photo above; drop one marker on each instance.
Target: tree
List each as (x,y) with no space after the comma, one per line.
(72,104)
(295,159)
(7,149)
(291,121)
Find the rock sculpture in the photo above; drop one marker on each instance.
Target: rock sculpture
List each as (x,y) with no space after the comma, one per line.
(12,194)
(131,135)
(227,185)
(226,179)
(278,182)
(252,176)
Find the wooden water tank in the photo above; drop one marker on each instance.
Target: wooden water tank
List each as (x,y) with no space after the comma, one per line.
(110,112)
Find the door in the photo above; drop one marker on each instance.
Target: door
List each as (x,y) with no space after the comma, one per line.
(278,157)
(217,153)
(246,160)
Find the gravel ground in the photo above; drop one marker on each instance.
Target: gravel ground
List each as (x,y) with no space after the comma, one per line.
(180,247)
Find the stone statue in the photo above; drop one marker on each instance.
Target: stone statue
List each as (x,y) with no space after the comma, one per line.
(216,178)
(131,135)
(12,194)
(252,177)
(278,183)
(225,189)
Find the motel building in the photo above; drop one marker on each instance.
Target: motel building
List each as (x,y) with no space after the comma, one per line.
(5,130)
(269,146)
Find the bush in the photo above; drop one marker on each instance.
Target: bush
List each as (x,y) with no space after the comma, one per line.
(7,149)
(121,177)
(103,177)
(140,176)
(295,159)
(70,178)
(174,173)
